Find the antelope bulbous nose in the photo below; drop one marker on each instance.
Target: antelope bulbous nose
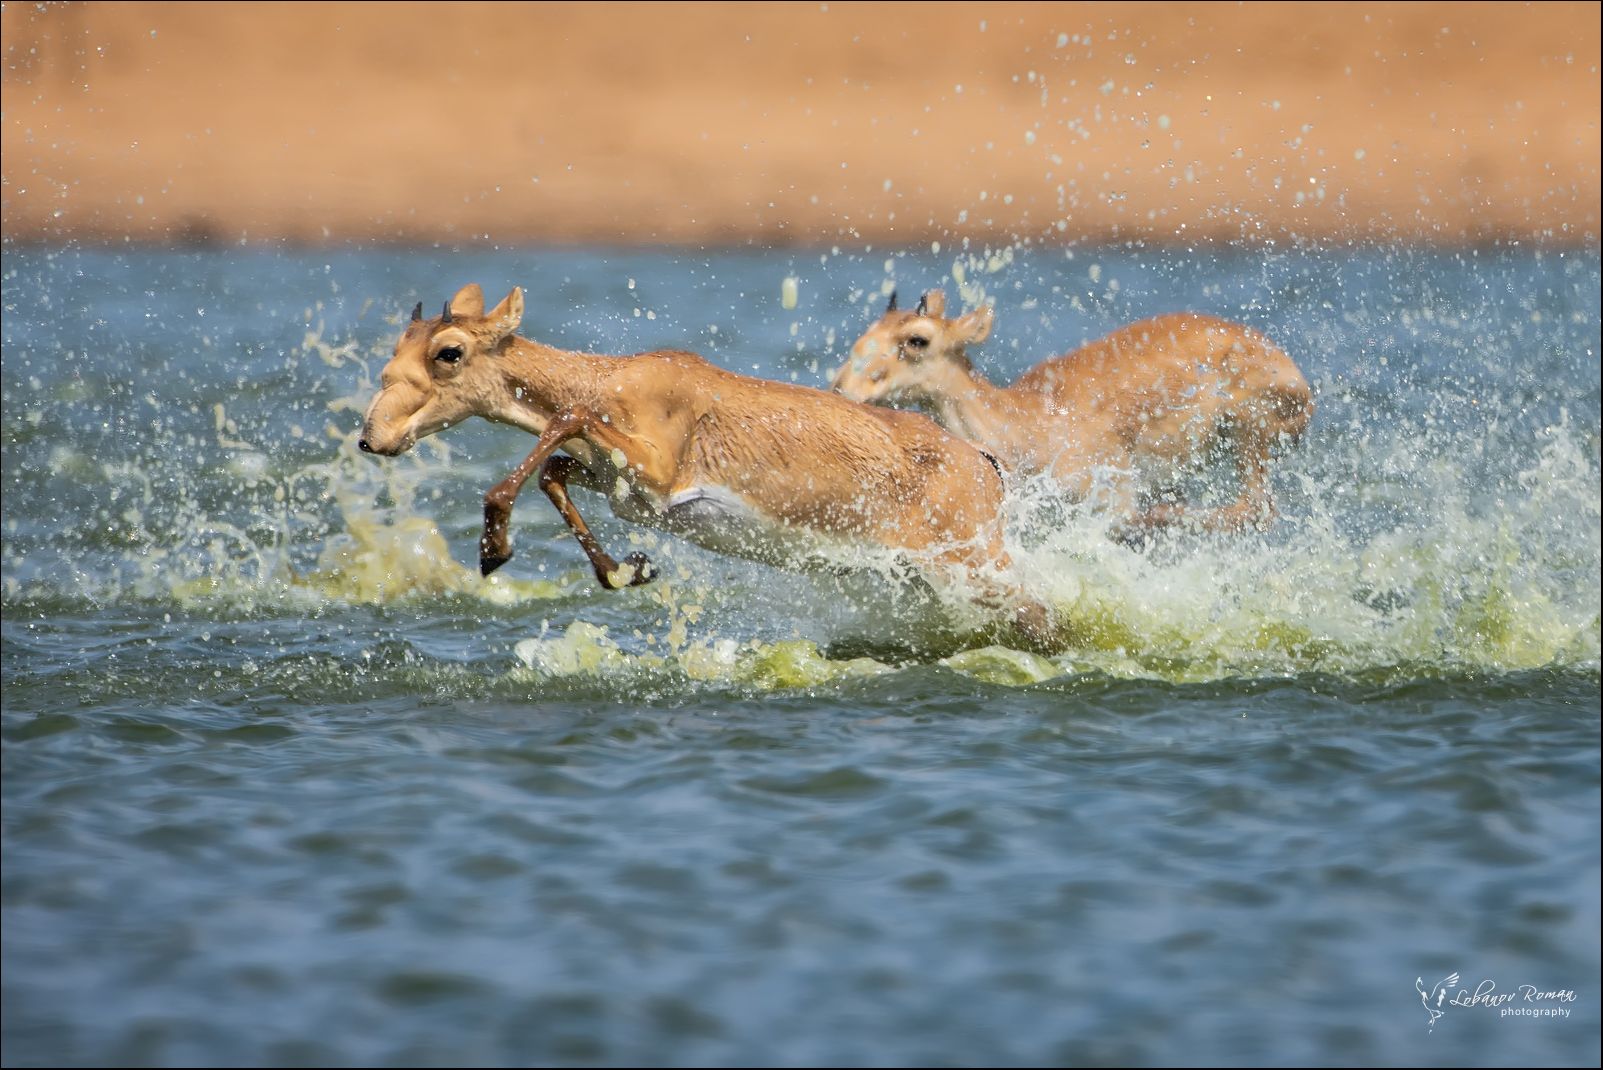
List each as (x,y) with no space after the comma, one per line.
(362,445)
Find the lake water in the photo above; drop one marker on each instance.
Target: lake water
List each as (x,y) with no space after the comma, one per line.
(286,782)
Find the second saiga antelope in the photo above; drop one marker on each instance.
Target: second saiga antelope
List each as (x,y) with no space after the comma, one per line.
(1155,399)
(784,474)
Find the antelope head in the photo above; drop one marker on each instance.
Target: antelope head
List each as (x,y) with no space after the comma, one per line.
(913,358)
(444,370)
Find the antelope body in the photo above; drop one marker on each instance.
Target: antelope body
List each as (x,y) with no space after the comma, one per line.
(773,472)
(1155,398)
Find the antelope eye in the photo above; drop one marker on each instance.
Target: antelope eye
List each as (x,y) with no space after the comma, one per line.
(449,355)
(918,341)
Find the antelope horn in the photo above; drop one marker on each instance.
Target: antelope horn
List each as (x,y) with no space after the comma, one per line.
(417,313)
(892,306)
(923,306)
(445,317)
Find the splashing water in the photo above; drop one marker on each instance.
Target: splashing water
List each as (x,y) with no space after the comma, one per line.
(1460,585)
(1427,527)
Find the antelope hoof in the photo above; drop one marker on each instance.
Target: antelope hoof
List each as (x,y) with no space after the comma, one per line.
(1162,516)
(1034,621)
(633,571)
(490,560)
(1132,534)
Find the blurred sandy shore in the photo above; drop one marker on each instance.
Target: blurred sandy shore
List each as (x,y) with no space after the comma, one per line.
(812,122)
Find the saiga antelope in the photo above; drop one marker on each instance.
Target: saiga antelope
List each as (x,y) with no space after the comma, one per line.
(767,471)
(1167,391)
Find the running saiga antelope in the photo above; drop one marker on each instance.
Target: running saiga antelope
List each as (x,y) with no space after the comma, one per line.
(1165,393)
(768,471)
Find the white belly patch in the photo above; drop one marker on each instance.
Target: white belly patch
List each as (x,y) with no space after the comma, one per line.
(723,521)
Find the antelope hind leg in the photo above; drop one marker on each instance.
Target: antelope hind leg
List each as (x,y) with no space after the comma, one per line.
(1028,618)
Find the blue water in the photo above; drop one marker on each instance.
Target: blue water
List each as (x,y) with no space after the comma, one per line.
(286,782)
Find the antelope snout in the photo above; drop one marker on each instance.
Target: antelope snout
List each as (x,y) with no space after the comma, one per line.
(855,386)
(390,425)
(848,380)
(369,442)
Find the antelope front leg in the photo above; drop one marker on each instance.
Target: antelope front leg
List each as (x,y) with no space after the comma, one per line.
(495,545)
(1254,509)
(635,569)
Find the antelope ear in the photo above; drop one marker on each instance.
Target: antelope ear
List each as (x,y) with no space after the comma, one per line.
(469,301)
(505,317)
(976,326)
(933,303)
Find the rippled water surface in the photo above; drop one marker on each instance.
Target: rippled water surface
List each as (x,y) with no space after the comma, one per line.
(285,781)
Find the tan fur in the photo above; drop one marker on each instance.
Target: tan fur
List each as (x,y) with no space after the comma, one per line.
(648,427)
(1159,394)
